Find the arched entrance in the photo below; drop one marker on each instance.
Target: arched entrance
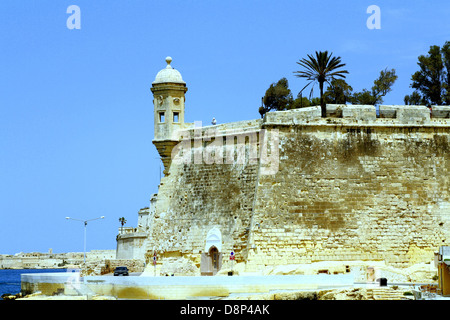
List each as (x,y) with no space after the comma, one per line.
(214,256)
(211,262)
(211,259)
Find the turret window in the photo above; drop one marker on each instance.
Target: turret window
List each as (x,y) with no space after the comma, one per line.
(161,117)
(176,117)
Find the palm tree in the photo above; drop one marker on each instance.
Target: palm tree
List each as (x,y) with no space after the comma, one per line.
(122,222)
(321,68)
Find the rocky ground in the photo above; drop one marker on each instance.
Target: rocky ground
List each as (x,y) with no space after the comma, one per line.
(422,272)
(387,293)
(419,273)
(180,266)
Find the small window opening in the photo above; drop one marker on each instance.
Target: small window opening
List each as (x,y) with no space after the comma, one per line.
(176,117)
(161,117)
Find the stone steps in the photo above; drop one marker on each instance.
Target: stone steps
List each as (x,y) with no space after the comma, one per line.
(387,294)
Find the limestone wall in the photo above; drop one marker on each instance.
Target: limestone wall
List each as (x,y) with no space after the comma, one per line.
(349,193)
(130,245)
(364,183)
(195,199)
(133,265)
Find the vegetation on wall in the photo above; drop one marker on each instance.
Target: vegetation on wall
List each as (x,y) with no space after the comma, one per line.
(431,83)
(321,68)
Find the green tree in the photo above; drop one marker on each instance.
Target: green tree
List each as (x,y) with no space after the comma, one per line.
(300,102)
(381,86)
(315,101)
(446,59)
(278,97)
(432,81)
(320,69)
(414,99)
(363,97)
(338,92)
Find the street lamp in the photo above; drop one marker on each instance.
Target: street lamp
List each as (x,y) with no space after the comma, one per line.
(85,224)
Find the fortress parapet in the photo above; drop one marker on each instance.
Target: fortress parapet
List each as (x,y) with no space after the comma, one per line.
(170,129)
(383,115)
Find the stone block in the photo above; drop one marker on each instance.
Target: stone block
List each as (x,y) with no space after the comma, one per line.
(440,111)
(360,112)
(413,114)
(388,111)
(335,110)
(309,113)
(295,116)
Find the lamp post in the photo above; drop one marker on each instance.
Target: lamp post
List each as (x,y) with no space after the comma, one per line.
(85,225)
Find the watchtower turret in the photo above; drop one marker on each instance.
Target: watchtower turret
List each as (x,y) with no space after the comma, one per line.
(168,100)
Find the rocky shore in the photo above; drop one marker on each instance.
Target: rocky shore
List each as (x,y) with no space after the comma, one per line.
(50,260)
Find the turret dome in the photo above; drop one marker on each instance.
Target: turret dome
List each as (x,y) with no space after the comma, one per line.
(169,74)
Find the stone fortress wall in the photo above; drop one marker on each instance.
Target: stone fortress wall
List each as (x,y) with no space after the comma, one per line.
(360,184)
(354,186)
(364,183)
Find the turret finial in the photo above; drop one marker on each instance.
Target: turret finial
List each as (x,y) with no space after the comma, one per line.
(168,60)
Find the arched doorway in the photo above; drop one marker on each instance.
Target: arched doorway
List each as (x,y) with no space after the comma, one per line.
(211,262)
(211,258)
(214,256)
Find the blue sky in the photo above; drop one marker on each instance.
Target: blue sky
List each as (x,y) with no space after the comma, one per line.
(76,119)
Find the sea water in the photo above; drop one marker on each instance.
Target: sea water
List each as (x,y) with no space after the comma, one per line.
(10,278)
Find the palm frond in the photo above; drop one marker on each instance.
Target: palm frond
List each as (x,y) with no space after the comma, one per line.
(321,67)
